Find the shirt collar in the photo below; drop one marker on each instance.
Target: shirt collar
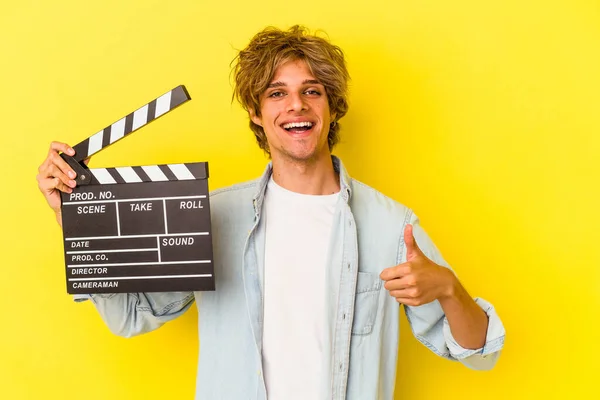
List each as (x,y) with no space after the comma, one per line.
(338,166)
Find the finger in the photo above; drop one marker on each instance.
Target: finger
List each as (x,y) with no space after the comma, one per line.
(408,301)
(57,173)
(65,148)
(63,188)
(48,185)
(407,293)
(87,160)
(43,167)
(57,160)
(395,272)
(411,244)
(400,284)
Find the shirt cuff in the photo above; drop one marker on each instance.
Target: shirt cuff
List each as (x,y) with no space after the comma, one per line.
(494,340)
(78,298)
(81,297)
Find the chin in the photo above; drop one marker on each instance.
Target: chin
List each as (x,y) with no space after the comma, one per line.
(303,155)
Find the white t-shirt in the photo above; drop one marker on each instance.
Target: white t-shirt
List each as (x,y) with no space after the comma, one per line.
(297,235)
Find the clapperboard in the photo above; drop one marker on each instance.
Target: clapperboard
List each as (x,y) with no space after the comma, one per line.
(137,229)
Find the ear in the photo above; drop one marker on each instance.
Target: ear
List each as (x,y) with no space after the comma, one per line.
(255,118)
(333,117)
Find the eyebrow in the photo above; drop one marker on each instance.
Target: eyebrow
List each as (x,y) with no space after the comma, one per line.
(304,82)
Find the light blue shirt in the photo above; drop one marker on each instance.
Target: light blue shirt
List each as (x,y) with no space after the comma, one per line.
(362,318)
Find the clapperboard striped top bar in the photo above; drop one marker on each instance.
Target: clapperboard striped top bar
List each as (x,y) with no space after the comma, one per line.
(131,122)
(150,173)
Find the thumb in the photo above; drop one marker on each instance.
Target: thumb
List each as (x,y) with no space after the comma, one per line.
(412,249)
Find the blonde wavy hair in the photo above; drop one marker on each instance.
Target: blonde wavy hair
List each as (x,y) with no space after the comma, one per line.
(255,67)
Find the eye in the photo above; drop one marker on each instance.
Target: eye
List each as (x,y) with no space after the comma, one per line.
(276,93)
(314,92)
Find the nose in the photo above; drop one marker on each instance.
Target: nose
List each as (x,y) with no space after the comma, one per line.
(296,103)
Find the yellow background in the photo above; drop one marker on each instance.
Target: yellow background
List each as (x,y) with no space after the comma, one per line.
(482,116)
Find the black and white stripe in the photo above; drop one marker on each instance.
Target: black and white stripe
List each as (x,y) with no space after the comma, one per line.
(149,173)
(131,122)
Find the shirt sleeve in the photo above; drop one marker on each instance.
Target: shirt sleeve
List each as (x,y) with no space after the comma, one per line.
(486,356)
(430,326)
(131,314)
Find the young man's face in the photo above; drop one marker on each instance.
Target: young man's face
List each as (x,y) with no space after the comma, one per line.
(294,114)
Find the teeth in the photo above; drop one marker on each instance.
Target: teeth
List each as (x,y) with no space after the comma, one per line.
(297,125)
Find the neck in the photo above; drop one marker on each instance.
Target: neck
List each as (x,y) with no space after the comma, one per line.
(314,177)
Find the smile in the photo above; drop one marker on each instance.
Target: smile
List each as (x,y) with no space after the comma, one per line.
(297,127)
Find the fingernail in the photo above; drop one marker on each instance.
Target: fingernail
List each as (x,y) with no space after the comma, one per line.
(72,174)
(72,183)
(70,151)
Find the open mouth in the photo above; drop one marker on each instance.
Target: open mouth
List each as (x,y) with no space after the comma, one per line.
(297,127)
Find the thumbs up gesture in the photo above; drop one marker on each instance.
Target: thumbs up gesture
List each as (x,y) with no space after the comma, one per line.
(418,280)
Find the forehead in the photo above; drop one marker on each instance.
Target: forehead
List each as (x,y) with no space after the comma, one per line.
(293,71)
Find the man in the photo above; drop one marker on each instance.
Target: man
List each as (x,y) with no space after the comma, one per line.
(311,266)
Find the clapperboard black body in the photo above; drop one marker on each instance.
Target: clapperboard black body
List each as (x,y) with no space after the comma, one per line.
(141,228)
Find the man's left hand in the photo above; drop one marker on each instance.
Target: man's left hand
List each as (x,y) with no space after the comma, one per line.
(418,280)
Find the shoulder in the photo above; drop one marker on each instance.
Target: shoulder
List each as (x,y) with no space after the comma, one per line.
(233,201)
(367,201)
(380,221)
(232,209)
(235,192)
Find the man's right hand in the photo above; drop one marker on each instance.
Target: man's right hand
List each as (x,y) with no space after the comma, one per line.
(55,175)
